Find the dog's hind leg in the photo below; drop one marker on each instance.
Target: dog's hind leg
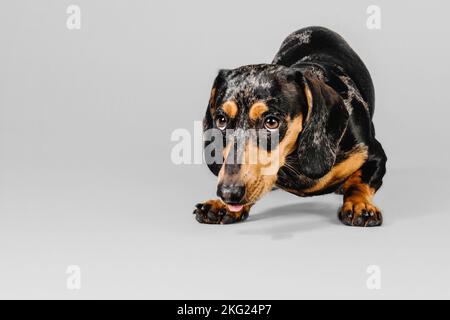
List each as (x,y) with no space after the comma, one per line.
(358,208)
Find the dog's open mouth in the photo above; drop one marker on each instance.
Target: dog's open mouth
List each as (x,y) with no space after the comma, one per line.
(235,207)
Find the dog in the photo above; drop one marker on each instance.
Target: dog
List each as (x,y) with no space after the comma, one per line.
(318,98)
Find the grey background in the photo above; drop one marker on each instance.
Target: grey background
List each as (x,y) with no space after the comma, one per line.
(86,177)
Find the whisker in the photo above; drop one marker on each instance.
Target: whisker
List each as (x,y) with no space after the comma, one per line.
(291,168)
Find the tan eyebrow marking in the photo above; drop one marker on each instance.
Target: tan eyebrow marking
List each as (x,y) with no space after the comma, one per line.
(212,97)
(230,108)
(257,109)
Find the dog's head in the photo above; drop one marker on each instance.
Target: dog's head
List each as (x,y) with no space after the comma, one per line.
(258,115)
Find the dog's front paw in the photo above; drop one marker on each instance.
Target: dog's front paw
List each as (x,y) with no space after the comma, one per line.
(217,212)
(360,214)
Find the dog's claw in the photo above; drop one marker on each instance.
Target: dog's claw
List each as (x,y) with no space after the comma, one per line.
(228,219)
(244,216)
(211,216)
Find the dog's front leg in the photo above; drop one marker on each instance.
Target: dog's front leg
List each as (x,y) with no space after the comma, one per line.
(358,208)
(217,212)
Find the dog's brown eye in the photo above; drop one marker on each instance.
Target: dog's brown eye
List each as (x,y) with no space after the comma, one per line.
(221,122)
(271,123)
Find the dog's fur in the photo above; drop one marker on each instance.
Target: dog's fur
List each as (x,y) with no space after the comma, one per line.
(322,94)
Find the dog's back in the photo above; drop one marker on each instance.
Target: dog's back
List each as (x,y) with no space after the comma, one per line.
(327,49)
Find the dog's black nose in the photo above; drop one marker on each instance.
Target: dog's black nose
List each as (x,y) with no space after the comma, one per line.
(231,193)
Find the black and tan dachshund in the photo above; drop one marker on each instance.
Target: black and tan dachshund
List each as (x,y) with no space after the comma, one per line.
(317,98)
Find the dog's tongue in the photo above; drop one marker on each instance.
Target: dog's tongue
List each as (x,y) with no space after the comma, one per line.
(235,207)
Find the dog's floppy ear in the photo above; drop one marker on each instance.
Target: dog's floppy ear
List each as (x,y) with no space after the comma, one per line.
(213,138)
(216,91)
(323,127)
